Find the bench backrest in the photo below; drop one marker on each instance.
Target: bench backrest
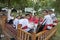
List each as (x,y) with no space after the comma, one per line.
(44,35)
(3,19)
(47,34)
(22,35)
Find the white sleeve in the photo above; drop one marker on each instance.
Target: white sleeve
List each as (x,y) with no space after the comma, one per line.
(15,23)
(30,25)
(20,22)
(54,17)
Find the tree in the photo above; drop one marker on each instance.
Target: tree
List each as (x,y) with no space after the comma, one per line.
(17,3)
(36,7)
(57,5)
(21,4)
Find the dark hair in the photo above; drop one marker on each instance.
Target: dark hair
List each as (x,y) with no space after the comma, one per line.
(50,10)
(27,15)
(45,11)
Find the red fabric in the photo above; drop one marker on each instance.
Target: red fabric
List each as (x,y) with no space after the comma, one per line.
(41,19)
(56,21)
(25,27)
(36,20)
(31,19)
(45,27)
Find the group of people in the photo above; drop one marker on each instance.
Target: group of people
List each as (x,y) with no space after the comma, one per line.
(31,22)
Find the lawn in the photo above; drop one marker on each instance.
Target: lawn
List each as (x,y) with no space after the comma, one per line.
(57,37)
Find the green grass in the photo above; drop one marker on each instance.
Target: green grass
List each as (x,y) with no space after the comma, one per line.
(57,36)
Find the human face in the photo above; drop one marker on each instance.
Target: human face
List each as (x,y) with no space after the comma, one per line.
(28,17)
(44,13)
(30,14)
(18,17)
(50,12)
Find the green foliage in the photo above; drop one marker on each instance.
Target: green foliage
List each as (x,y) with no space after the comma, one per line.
(21,4)
(36,7)
(57,5)
(2,1)
(44,4)
(18,4)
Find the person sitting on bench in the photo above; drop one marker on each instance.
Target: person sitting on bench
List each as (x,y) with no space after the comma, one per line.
(31,19)
(53,16)
(47,23)
(35,21)
(25,23)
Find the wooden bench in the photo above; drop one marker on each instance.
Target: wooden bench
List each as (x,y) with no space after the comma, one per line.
(44,35)
(20,34)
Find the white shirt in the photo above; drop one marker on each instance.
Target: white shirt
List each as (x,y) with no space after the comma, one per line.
(53,17)
(24,23)
(15,23)
(48,20)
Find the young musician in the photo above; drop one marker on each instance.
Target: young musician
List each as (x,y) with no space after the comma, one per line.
(53,16)
(34,21)
(25,23)
(47,23)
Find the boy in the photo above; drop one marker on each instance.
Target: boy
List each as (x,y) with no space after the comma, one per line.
(34,21)
(47,23)
(25,23)
(53,16)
